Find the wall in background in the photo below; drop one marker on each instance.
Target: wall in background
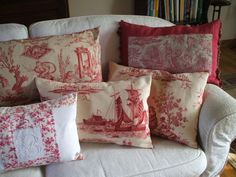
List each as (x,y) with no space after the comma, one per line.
(228,18)
(98,7)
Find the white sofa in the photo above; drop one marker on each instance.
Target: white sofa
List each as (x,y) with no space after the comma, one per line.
(217,122)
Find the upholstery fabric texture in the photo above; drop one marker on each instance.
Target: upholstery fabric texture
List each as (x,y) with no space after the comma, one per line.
(174,103)
(39,134)
(155,48)
(67,58)
(112,112)
(167,158)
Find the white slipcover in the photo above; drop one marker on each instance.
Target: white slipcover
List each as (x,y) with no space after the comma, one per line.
(13,31)
(167,159)
(27,172)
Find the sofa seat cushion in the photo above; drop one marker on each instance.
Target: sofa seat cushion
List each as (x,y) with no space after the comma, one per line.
(106,160)
(25,172)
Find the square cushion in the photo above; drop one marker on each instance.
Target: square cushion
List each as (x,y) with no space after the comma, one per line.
(39,134)
(67,58)
(176,49)
(174,103)
(113,112)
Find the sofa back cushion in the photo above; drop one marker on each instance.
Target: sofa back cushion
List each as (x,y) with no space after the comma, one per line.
(108,24)
(11,31)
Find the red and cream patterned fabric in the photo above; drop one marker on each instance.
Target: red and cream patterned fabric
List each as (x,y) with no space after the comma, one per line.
(66,58)
(34,135)
(176,49)
(174,101)
(113,112)
(188,53)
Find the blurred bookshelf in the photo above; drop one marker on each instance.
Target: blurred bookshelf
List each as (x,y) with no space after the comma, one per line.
(191,12)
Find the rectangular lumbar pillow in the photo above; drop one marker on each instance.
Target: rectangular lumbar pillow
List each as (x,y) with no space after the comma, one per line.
(39,134)
(66,58)
(174,103)
(176,49)
(113,112)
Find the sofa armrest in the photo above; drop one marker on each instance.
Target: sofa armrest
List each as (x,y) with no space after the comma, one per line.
(217,128)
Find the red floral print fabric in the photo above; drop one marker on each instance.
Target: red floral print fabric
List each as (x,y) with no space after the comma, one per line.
(28,134)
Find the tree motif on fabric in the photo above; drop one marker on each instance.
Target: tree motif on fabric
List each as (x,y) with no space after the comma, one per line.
(8,63)
(63,64)
(170,115)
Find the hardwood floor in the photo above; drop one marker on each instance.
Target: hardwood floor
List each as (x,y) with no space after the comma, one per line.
(228,66)
(229,171)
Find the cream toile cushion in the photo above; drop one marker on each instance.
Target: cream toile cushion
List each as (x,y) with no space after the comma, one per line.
(67,58)
(174,103)
(112,112)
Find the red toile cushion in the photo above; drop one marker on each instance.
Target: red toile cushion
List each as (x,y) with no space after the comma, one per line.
(175,49)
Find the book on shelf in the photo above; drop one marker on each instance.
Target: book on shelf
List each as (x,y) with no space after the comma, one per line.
(181,11)
(177,11)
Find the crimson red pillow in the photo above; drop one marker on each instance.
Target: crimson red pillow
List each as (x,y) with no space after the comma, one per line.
(193,41)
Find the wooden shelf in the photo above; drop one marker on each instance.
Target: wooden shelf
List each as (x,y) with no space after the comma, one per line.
(29,11)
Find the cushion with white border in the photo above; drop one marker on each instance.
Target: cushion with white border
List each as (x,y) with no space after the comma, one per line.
(39,134)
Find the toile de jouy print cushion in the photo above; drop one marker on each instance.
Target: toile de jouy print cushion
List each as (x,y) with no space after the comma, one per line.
(174,103)
(66,58)
(39,134)
(113,112)
(176,49)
